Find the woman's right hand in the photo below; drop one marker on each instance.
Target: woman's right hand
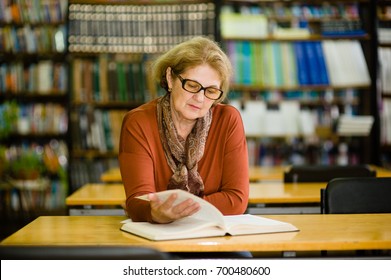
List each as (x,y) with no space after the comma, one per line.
(164,212)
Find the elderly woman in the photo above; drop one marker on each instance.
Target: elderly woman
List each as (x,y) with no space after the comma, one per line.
(186,139)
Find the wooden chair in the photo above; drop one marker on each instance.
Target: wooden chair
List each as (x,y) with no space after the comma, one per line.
(25,252)
(357,195)
(324,173)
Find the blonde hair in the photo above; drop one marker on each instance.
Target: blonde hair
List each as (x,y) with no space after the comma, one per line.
(189,54)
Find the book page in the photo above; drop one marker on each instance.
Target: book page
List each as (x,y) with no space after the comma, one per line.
(207,212)
(188,227)
(250,224)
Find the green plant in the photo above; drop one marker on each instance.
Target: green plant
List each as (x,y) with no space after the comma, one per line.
(8,118)
(27,166)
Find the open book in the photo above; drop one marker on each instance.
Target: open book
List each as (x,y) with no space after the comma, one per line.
(207,222)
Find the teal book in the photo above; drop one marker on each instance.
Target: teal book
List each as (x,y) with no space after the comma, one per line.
(246,67)
(239,62)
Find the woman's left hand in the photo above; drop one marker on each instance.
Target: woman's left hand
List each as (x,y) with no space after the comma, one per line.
(164,212)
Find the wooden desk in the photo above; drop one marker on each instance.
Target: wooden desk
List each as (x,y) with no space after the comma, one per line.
(317,232)
(97,199)
(264,198)
(381,171)
(283,198)
(256,173)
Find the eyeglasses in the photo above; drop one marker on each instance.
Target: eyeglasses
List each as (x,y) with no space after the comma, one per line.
(195,87)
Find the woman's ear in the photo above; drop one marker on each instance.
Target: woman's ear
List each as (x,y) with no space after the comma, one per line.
(169,77)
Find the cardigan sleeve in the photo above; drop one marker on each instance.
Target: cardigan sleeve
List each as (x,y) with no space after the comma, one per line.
(231,197)
(136,165)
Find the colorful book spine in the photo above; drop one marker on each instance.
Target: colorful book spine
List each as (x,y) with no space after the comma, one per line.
(246,60)
(301,62)
(312,63)
(323,71)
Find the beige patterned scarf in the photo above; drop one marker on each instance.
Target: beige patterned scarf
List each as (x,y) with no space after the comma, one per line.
(183,156)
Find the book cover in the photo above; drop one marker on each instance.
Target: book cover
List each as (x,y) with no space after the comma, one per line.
(258,63)
(313,65)
(207,222)
(269,76)
(239,62)
(278,64)
(246,67)
(337,76)
(323,71)
(302,68)
(252,113)
(289,75)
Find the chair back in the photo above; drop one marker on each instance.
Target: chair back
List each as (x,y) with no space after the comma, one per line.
(25,252)
(324,173)
(357,195)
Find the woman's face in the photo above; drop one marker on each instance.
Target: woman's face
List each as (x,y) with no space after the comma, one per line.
(191,106)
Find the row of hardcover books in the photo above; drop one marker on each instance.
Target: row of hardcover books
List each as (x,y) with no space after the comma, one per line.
(298,151)
(289,64)
(33,11)
(105,79)
(44,77)
(289,119)
(296,21)
(40,118)
(348,10)
(96,129)
(136,28)
(37,39)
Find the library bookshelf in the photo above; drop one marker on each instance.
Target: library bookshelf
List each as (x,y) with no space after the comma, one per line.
(383,11)
(33,108)
(111,44)
(290,75)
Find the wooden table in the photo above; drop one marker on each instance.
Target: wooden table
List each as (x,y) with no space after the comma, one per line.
(256,173)
(317,232)
(283,198)
(97,199)
(264,198)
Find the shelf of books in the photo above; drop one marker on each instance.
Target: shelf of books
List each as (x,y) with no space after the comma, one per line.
(111,44)
(384,53)
(33,107)
(300,66)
